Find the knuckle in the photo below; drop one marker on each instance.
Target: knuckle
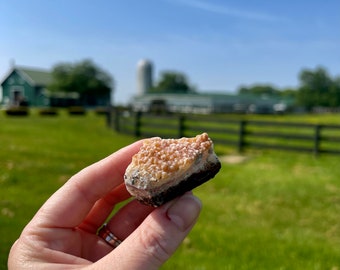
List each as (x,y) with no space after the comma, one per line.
(155,245)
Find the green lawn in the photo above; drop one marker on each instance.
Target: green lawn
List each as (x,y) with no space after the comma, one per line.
(277,210)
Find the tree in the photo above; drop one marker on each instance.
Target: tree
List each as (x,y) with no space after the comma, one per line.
(259,89)
(318,89)
(335,92)
(172,82)
(85,78)
(289,93)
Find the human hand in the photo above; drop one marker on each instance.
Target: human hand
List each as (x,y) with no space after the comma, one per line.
(63,233)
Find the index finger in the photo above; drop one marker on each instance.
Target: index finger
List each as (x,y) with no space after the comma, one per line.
(72,202)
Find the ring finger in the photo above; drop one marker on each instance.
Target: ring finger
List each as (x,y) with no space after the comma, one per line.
(128,218)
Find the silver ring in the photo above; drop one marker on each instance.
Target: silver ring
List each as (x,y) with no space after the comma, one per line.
(108,236)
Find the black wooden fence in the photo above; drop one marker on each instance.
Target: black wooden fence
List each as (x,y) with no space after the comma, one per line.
(238,133)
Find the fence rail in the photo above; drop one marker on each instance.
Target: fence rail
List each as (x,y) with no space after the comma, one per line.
(241,134)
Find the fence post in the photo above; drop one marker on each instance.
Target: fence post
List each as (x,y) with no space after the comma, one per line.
(116,121)
(181,126)
(138,124)
(241,136)
(317,139)
(108,114)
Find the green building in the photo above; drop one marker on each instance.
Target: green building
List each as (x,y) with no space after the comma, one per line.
(25,86)
(28,86)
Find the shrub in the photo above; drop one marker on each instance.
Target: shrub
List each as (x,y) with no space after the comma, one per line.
(17,111)
(102,110)
(76,110)
(48,112)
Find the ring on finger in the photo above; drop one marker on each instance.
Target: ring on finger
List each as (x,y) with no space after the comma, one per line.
(108,236)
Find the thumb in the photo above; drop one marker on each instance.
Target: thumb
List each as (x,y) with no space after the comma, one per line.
(158,237)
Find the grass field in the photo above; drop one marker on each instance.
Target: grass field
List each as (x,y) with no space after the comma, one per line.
(275,210)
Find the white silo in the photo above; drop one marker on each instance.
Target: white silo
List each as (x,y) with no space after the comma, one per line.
(144,76)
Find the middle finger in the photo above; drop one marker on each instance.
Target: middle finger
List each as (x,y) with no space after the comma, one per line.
(128,218)
(103,208)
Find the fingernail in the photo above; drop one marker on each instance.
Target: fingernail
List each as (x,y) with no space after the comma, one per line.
(184,212)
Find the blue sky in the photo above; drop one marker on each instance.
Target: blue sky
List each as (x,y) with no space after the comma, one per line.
(219,44)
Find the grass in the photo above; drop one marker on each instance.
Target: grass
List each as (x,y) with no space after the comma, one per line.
(276,210)
(295,131)
(38,154)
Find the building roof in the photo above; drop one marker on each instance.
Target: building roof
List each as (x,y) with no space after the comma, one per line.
(210,96)
(35,76)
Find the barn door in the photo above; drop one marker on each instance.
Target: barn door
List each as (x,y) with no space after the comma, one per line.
(17,96)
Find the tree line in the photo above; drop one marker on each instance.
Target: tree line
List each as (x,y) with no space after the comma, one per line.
(316,86)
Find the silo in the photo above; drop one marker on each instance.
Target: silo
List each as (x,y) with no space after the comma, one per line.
(144,76)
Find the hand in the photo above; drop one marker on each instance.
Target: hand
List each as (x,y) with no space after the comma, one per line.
(63,233)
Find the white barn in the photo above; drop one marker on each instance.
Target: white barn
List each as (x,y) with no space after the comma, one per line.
(199,102)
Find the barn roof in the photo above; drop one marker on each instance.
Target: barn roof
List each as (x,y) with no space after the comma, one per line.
(35,76)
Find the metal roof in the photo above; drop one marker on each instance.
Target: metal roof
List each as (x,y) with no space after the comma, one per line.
(35,76)
(210,96)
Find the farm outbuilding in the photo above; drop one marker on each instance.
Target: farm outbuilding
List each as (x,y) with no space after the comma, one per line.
(29,86)
(25,86)
(206,103)
(198,102)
